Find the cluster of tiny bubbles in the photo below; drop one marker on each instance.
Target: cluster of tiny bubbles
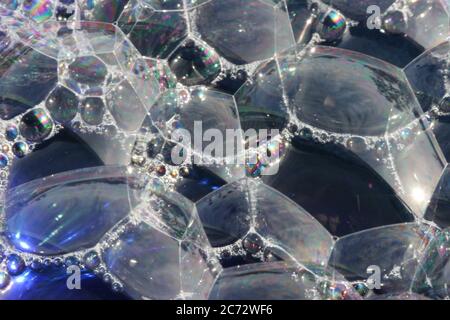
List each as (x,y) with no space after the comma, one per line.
(397,139)
(250,248)
(16,263)
(253,249)
(152,157)
(91,260)
(239,250)
(236,74)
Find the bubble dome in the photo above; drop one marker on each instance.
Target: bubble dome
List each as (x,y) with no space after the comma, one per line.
(225,149)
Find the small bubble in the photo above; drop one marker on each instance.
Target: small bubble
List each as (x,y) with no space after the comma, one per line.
(117,287)
(357,144)
(253,243)
(15,264)
(11,132)
(107,278)
(92,260)
(71,261)
(306,133)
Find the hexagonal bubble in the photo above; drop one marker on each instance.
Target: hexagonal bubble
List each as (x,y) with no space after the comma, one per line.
(244,31)
(365,102)
(126,107)
(244,210)
(432,277)
(280,281)
(393,251)
(201,116)
(62,104)
(154,33)
(164,256)
(85,75)
(75,209)
(380,88)
(424,21)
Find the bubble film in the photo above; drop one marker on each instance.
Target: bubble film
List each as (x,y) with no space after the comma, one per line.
(225,149)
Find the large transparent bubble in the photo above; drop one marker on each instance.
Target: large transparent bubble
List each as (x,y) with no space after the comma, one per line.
(94,173)
(365,114)
(164,255)
(245,31)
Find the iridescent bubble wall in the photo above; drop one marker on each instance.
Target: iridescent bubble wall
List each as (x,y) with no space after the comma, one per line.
(103,171)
